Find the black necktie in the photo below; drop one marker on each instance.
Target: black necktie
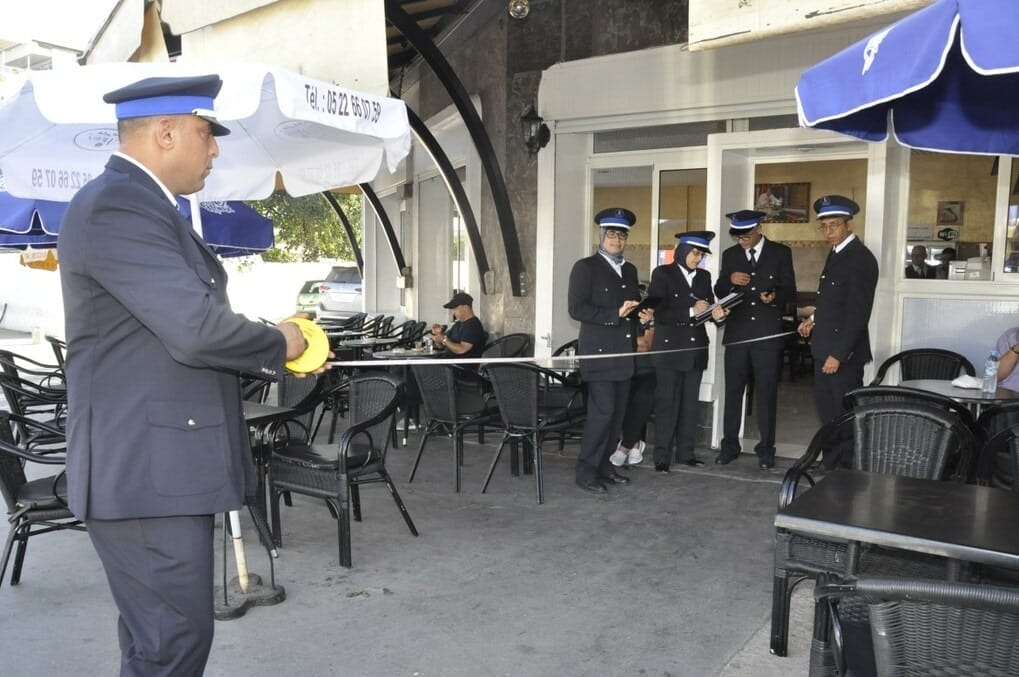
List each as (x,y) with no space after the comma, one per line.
(753,260)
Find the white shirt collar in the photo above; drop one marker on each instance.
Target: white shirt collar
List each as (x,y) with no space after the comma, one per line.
(842,245)
(618,267)
(166,191)
(756,249)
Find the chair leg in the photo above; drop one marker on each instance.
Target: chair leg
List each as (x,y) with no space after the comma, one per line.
(342,506)
(399,502)
(458,454)
(780,594)
(274,516)
(421,448)
(24,532)
(7,551)
(536,447)
(495,461)
(355,500)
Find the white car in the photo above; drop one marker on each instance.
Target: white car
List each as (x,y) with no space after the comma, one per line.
(342,292)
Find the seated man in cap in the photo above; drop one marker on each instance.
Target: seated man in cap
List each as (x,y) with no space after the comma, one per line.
(156,438)
(685,291)
(762,271)
(467,337)
(840,342)
(603,292)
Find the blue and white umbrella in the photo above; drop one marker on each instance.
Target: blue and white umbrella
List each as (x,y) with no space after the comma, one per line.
(230,228)
(942,79)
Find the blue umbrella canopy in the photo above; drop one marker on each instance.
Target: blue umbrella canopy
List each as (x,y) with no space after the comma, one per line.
(230,228)
(939,79)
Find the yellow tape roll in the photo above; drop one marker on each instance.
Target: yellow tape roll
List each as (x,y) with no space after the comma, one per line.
(318,348)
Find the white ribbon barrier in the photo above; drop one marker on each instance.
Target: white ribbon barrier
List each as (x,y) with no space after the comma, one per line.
(544,362)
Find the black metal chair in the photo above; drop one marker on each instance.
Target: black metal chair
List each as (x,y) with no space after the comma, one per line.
(336,475)
(510,345)
(926,627)
(909,439)
(450,410)
(999,425)
(59,349)
(33,390)
(34,507)
(925,363)
(527,415)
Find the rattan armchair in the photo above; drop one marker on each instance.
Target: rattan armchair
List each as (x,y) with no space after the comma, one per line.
(908,439)
(926,627)
(925,363)
(36,506)
(336,474)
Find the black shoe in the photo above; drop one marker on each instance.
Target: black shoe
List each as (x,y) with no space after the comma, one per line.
(594,486)
(662,467)
(766,463)
(615,478)
(693,462)
(723,459)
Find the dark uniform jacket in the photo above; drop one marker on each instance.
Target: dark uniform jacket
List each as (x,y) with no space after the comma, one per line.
(673,325)
(751,318)
(155,426)
(595,294)
(845,296)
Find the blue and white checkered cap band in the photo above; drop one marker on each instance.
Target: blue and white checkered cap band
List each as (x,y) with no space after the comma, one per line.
(833,210)
(614,222)
(695,241)
(163,105)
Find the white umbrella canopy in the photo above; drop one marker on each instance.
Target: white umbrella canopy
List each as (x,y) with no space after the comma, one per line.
(56,133)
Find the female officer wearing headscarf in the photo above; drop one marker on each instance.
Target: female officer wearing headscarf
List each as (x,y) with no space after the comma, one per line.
(685,291)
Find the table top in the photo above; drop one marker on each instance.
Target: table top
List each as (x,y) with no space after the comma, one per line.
(405,354)
(959,521)
(368,342)
(966,395)
(256,413)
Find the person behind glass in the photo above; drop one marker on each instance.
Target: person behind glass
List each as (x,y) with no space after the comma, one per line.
(947,256)
(840,342)
(467,336)
(602,293)
(685,291)
(763,271)
(156,438)
(918,268)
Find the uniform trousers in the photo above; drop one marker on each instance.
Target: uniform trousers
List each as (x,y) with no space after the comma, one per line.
(763,360)
(676,398)
(829,392)
(606,405)
(160,572)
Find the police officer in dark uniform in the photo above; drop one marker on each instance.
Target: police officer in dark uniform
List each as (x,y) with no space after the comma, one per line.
(762,271)
(839,340)
(684,291)
(603,292)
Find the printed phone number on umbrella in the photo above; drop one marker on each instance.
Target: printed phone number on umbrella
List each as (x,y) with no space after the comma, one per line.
(59,178)
(340,103)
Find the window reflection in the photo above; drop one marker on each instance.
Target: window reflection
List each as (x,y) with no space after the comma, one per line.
(951,214)
(1011,230)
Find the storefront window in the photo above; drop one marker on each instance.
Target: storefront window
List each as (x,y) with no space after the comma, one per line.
(950,223)
(681,207)
(1011,264)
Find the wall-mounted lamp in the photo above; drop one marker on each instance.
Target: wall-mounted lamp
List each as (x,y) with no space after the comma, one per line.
(534,130)
(519,9)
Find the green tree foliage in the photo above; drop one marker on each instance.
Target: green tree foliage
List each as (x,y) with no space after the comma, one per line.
(307,228)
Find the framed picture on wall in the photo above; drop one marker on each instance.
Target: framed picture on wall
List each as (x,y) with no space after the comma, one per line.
(783,202)
(950,213)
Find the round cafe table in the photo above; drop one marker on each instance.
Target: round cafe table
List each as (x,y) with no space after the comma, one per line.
(971,397)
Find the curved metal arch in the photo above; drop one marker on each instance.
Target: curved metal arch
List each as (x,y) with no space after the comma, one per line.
(407,27)
(456,190)
(387,225)
(349,229)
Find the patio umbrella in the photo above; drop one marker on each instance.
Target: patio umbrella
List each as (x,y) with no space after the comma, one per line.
(939,79)
(43,259)
(230,228)
(56,133)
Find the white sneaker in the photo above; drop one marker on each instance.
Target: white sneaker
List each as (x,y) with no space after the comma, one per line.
(618,457)
(636,455)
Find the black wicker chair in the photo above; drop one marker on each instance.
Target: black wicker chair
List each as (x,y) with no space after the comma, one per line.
(510,345)
(925,363)
(450,409)
(34,507)
(926,627)
(528,415)
(909,439)
(336,476)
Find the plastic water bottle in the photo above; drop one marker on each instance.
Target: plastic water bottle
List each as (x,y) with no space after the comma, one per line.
(990,384)
(429,344)
(571,363)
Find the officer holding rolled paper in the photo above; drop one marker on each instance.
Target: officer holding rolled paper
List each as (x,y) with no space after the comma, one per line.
(684,290)
(762,271)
